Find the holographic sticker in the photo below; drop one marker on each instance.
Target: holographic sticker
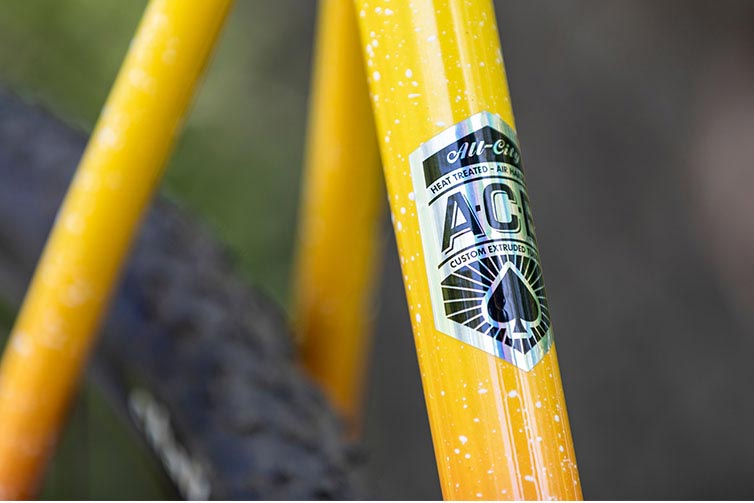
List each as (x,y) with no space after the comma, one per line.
(485,279)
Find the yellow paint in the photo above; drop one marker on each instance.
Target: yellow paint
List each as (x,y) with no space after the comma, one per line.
(341,206)
(499,432)
(114,183)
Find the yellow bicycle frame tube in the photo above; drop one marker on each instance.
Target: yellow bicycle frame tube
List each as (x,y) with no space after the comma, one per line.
(340,215)
(116,178)
(499,432)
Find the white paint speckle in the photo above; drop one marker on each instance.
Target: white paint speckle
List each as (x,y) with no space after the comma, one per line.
(418,318)
(529,478)
(141,80)
(463,439)
(376,76)
(561,448)
(538,404)
(411,196)
(556,418)
(482,391)
(74,223)
(467,456)
(76,294)
(513,393)
(21,344)
(107,136)
(409,73)
(431,38)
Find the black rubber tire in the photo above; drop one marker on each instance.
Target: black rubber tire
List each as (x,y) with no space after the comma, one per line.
(201,363)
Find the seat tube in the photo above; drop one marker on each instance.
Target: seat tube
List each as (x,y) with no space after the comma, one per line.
(340,215)
(468,252)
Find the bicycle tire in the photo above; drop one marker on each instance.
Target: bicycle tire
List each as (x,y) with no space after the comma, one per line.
(187,345)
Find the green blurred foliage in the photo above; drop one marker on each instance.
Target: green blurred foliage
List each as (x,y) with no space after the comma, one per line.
(237,164)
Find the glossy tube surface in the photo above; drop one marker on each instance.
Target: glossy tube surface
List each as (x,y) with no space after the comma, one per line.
(115,181)
(499,432)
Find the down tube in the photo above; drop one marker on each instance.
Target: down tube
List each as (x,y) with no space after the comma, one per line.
(468,251)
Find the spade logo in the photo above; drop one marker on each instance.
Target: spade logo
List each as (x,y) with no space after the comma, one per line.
(511,303)
(502,297)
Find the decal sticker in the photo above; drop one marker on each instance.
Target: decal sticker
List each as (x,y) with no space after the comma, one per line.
(483,266)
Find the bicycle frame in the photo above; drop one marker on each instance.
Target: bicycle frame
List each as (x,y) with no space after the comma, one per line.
(434,68)
(499,431)
(342,192)
(75,277)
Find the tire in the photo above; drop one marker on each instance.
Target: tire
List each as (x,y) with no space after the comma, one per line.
(203,366)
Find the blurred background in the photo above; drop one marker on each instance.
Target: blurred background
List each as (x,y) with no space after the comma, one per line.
(637,126)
